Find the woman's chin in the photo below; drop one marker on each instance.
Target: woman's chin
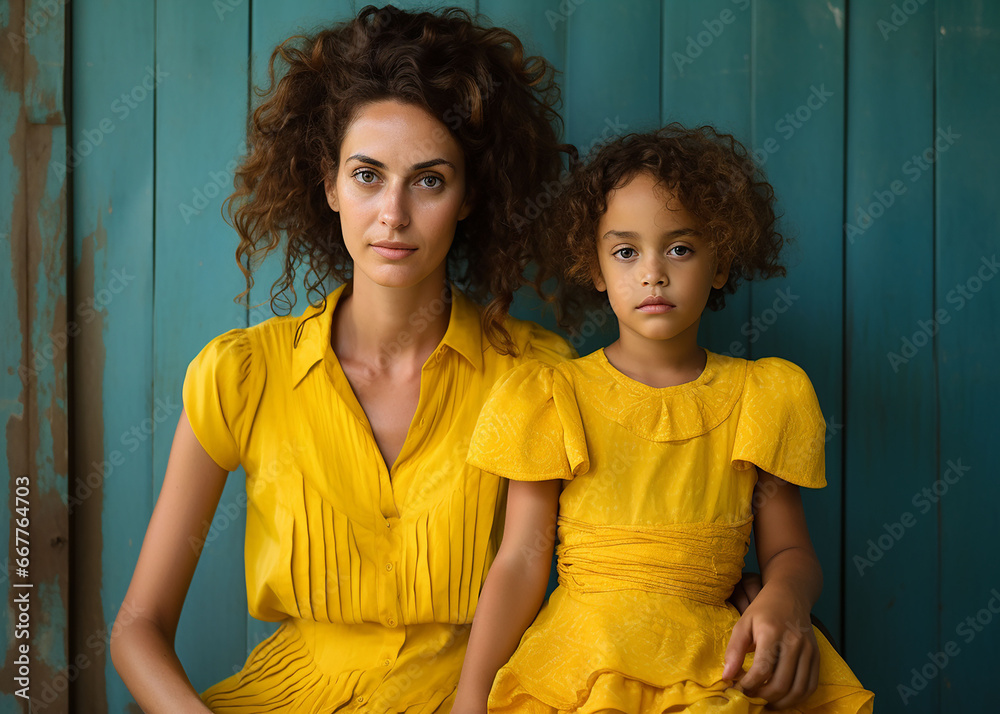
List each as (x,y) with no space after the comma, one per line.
(397,276)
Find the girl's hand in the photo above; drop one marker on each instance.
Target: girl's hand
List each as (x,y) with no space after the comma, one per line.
(776,627)
(460,707)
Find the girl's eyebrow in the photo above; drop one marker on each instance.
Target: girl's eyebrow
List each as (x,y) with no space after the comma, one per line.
(416,167)
(633,235)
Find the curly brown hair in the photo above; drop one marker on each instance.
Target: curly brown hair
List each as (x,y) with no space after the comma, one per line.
(715,180)
(499,105)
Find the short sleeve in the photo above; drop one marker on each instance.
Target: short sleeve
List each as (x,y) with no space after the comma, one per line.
(221,391)
(530,428)
(546,346)
(781,428)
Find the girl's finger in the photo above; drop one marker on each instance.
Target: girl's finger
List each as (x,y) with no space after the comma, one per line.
(783,678)
(800,686)
(764,659)
(740,642)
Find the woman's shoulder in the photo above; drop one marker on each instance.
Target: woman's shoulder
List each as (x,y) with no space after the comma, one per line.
(537,343)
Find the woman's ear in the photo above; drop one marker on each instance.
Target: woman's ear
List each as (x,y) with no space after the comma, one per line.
(330,187)
(468,203)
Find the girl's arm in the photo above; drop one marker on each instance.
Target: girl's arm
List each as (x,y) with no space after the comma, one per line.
(514,589)
(142,638)
(776,626)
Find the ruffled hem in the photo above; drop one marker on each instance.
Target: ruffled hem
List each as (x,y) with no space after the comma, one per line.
(609,692)
(281,676)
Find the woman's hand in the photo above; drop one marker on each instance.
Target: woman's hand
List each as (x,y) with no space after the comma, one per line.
(776,627)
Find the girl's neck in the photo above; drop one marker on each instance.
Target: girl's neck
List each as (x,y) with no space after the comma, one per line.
(386,327)
(658,363)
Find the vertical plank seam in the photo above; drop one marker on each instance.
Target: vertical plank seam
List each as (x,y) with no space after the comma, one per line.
(844,351)
(935,349)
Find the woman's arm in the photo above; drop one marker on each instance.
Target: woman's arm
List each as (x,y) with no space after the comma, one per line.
(514,589)
(776,625)
(142,639)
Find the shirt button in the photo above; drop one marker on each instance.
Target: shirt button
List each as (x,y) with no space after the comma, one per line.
(388,566)
(390,622)
(361,700)
(386,663)
(422,422)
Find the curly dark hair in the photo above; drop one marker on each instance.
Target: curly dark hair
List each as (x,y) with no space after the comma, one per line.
(499,105)
(715,180)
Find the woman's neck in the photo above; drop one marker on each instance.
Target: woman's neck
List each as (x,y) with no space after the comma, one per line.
(391,327)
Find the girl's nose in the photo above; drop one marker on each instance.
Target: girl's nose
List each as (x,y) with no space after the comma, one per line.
(654,273)
(392,211)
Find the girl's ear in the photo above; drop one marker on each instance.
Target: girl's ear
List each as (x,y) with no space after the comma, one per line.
(721,272)
(330,186)
(595,275)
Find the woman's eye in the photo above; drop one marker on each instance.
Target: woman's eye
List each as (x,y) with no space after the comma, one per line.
(625,253)
(365,176)
(435,181)
(680,250)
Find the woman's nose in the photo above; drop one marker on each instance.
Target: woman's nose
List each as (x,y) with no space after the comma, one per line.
(392,211)
(654,273)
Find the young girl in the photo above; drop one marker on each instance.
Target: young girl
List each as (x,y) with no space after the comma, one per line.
(658,456)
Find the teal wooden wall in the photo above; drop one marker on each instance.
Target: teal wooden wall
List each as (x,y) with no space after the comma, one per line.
(876,123)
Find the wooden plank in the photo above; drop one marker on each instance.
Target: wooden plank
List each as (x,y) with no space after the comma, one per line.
(798,122)
(890,448)
(35,439)
(611,87)
(111,156)
(199,115)
(968,290)
(14,449)
(272,23)
(44,66)
(706,80)
(541,27)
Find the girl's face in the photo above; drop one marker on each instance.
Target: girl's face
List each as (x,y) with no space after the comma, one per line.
(656,267)
(400,191)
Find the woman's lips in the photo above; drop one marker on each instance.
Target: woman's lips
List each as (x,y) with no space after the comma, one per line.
(393,250)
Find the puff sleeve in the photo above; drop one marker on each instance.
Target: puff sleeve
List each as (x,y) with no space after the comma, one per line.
(530,427)
(781,428)
(546,346)
(221,391)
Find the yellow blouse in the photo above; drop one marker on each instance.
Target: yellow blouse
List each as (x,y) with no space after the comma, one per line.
(374,570)
(654,521)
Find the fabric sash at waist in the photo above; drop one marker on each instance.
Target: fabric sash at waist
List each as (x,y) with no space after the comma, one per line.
(698,561)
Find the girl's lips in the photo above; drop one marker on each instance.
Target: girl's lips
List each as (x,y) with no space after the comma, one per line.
(656,308)
(392,253)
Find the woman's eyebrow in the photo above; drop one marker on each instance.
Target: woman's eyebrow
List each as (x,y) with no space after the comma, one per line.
(415,167)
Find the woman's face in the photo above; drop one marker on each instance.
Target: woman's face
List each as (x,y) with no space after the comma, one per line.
(400,191)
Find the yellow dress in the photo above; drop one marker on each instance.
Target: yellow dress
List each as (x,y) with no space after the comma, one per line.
(374,572)
(654,522)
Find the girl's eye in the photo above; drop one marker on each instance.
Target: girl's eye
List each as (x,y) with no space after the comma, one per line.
(366,176)
(625,253)
(684,250)
(435,181)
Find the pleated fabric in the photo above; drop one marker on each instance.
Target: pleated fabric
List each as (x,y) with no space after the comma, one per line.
(374,570)
(654,523)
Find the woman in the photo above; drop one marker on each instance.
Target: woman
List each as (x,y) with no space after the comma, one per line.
(393,153)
